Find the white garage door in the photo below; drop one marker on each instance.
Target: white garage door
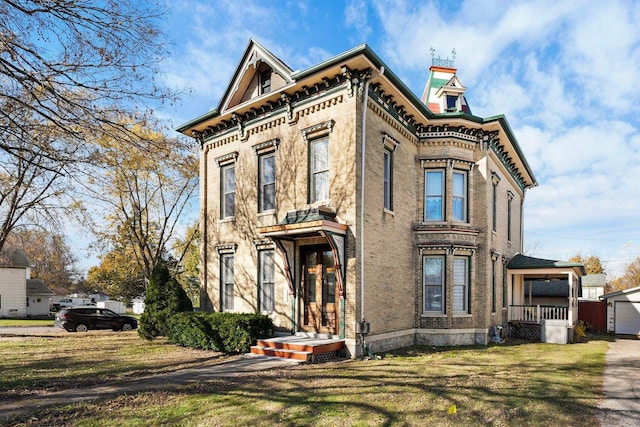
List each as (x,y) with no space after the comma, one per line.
(628,318)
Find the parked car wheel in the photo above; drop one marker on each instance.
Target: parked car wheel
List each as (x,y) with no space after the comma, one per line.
(127,327)
(81,328)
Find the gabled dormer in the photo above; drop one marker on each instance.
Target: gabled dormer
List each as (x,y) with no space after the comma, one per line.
(444,93)
(259,73)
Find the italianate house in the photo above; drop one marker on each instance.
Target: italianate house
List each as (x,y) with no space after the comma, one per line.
(340,204)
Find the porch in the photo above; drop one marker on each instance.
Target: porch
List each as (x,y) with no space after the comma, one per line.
(543,298)
(537,313)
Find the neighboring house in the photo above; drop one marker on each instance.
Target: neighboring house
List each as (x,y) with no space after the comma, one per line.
(546,292)
(623,311)
(38,295)
(414,248)
(15,269)
(593,286)
(593,311)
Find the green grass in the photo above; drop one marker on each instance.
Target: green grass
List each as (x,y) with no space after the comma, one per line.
(11,323)
(513,384)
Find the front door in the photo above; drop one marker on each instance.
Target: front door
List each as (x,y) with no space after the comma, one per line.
(319,291)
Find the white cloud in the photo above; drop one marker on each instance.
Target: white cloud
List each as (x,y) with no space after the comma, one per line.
(355,15)
(565,73)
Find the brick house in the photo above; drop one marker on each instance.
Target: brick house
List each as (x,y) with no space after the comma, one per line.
(335,200)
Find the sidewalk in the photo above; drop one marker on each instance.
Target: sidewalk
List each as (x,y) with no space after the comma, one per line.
(238,366)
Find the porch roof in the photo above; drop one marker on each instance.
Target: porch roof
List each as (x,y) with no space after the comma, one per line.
(305,222)
(523,262)
(520,261)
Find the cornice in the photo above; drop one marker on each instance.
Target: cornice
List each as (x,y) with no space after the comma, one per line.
(511,167)
(474,135)
(288,103)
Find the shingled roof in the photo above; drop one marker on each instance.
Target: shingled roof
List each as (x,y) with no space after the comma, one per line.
(37,286)
(521,262)
(14,258)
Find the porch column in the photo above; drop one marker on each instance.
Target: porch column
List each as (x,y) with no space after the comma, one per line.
(287,249)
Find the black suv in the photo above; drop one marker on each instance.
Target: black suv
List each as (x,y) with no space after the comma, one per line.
(81,319)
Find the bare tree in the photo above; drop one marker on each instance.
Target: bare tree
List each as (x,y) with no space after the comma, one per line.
(34,188)
(73,63)
(67,68)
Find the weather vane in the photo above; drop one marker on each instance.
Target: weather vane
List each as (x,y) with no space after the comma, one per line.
(443,62)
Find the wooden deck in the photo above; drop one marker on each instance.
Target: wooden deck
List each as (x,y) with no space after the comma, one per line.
(308,348)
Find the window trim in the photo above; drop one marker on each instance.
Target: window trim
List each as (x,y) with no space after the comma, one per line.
(495,180)
(313,173)
(510,197)
(467,270)
(442,195)
(262,184)
(387,179)
(226,282)
(225,163)
(262,81)
(464,197)
(224,205)
(261,280)
(443,281)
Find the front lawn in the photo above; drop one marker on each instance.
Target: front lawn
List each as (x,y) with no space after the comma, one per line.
(11,323)
(512,384)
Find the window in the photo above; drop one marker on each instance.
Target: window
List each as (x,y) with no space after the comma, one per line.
(493,285)
(434,193)
(460,196)
(265,81)
(509,213)
(228,191)
(494,209)
(226,281)
(504,284)
(266,280)
(319,170)
(460,283)
(452,103)
(433,280)
(267,182)
(388,179)
(495,179)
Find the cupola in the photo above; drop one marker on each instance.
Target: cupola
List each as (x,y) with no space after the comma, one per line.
(443,92)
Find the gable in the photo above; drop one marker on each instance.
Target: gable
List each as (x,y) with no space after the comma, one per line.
(259,73)
(14,258)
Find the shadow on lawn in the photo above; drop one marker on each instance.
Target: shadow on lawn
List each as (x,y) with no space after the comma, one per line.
(409,386)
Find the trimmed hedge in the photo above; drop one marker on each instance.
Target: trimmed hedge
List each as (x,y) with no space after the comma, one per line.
(226,332)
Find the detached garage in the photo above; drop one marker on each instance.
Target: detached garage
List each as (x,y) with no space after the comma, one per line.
(623,311)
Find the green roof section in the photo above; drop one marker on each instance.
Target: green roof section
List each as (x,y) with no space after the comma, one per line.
(308,215)
(521,262)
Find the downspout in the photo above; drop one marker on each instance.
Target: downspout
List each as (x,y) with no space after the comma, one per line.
(363,141)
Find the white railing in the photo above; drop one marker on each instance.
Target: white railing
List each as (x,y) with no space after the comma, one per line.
(537,313)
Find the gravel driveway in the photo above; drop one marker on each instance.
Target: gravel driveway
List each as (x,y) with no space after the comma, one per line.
(621,406)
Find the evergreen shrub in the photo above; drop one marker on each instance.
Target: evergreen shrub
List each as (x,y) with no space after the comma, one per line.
(165,297)
(226,332)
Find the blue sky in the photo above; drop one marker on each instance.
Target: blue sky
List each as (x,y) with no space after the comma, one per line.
(566,74)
